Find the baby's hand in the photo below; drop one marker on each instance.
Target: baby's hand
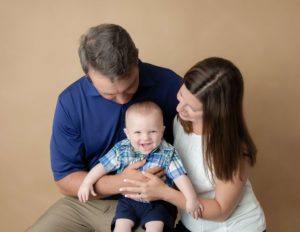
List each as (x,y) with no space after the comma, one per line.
(194,208)
(84,192)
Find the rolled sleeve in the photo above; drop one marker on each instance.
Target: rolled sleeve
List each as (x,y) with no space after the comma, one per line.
(176,168)
(111,161)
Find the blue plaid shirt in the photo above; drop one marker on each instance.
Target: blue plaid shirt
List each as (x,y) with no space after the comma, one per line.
(165,155)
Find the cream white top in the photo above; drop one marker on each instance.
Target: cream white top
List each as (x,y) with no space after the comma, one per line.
(248,215)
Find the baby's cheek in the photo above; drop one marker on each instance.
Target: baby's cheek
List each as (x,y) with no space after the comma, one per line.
(134,143)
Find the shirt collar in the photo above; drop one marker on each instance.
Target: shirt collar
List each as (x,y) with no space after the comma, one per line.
(90,88)
(146,79)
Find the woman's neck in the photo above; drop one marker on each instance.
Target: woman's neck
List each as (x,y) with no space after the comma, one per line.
(197,128)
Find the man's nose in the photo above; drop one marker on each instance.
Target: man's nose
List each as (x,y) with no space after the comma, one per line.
(122,99)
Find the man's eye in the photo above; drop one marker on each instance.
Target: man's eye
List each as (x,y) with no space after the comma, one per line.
(108,96)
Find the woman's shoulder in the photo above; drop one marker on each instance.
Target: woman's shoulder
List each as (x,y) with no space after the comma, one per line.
(176,124)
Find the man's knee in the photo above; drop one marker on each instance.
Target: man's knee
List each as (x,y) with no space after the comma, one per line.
(61,216)
(69,214)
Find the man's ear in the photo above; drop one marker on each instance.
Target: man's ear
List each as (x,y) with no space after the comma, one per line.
(126,132)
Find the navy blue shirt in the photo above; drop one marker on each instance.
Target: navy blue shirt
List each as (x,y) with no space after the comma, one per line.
(86,125)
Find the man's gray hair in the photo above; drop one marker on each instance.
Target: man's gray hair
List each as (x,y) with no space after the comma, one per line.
(109,49)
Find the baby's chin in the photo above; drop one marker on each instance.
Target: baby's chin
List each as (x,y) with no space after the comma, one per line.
(144,152)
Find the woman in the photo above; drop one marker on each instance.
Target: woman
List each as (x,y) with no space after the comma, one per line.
(216,149)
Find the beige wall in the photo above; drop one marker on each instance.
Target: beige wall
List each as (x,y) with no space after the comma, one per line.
(39,41)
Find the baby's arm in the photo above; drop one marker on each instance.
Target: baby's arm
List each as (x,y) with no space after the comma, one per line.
(193,206)
(87,185)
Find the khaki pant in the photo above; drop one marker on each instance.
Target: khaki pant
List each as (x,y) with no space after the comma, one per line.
(69,214)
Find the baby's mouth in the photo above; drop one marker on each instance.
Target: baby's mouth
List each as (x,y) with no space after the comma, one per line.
(146,146)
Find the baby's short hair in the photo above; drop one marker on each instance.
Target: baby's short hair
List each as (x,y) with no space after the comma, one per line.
(144,107)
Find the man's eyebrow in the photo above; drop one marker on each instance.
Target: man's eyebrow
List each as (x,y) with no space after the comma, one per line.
(107,93)
(128,87)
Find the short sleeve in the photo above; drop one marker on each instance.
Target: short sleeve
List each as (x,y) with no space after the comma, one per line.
(175,168)
(66,147)
(111,160)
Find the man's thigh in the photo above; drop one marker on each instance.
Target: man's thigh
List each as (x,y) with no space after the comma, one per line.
(69,214)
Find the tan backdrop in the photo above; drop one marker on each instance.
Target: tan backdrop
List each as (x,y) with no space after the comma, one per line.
(39,41)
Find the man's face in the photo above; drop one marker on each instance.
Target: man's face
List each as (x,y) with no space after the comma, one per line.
(120,91)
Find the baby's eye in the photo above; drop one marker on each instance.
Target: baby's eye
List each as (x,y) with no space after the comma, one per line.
(153,131)
(137,132)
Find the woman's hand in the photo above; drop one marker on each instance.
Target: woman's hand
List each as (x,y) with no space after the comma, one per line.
(153,189)
(132,173)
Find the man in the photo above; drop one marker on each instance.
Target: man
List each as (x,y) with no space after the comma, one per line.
(89,120)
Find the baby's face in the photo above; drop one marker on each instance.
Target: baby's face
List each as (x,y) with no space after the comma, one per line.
(144,131)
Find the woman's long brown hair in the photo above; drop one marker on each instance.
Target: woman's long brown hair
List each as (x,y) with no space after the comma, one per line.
(218,84)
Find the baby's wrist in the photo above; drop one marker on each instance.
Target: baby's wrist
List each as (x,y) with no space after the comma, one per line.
(192,199)
(86,183)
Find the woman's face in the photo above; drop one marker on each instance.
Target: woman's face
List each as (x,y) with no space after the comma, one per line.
(189,107)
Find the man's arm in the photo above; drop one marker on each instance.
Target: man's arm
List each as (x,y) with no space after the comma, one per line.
(107,185)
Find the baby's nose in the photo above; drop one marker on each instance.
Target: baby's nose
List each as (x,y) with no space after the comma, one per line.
(145,136)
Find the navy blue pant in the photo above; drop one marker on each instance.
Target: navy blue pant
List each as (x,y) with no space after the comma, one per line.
(141,213)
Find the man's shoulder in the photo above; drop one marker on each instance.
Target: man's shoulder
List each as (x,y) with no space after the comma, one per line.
(74,87)
(157,72)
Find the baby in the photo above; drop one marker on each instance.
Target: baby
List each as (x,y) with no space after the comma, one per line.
(144,129)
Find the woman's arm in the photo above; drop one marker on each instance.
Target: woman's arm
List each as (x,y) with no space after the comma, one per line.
(193,206)
(218,209)
(227,197)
